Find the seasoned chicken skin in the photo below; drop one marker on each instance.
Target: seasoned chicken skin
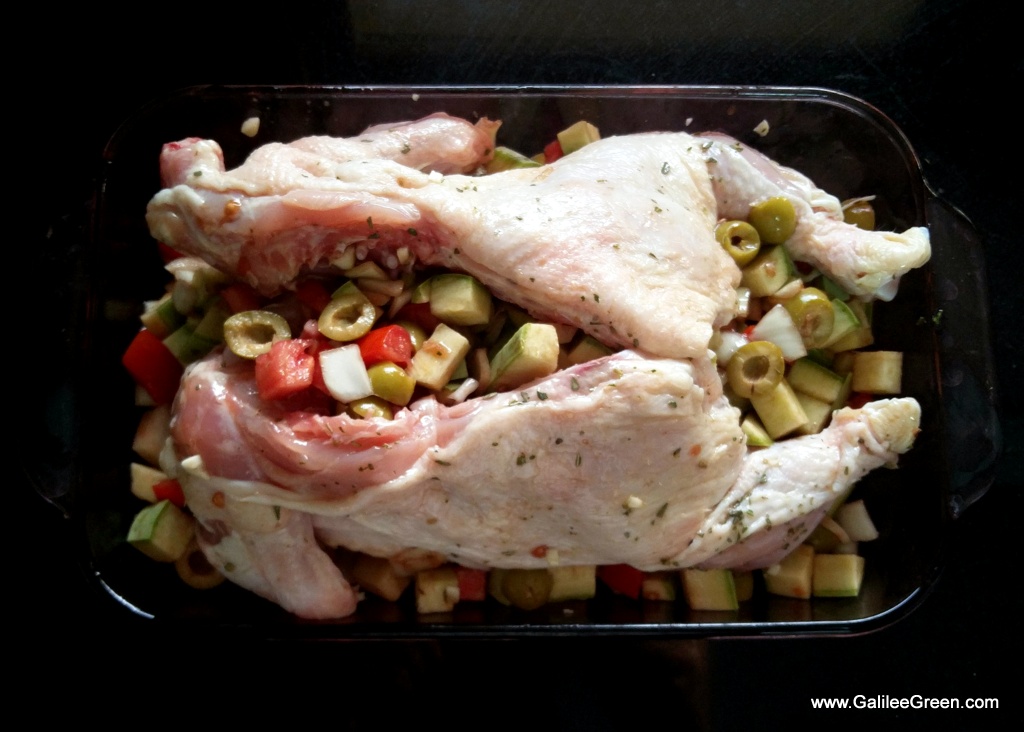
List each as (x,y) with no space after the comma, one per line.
(617,240)
(626,459)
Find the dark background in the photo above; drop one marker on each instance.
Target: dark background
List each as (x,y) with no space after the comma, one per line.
(947,72)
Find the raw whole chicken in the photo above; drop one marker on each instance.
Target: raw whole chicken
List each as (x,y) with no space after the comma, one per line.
(634,458)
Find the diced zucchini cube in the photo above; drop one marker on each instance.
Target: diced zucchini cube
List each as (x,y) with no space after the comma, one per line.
(530,354)
(710,589)
(792,576)
(378,576)
(437,590)
(744,582)
(162,531)
(878,372)
(459,299)
(838,575)
(818,414)
(810,377)
(659,586)
(573,583)
(143,480)
(578,135)
(779,410)
(438,357)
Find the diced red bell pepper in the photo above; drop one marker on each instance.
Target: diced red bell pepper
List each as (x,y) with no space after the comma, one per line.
(390,343)
(240,297)
(313,295)
(472,584)
(858,399)
(622,579)
(170,490)
(153,366)
(168,254)
(419,313)
(285,370)
(553,151)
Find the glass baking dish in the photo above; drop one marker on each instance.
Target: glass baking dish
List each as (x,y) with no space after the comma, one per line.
(939,321)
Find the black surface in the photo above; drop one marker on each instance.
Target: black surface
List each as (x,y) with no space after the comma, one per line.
(946,72)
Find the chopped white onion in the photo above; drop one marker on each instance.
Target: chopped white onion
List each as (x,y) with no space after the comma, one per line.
(778,327)
(344,373)
(728,342)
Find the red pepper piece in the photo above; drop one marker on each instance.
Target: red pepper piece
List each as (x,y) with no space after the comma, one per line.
(622,579)
(553,151)
(390,343)
(472,584)
(170,490)
(153,366)
(858,399)
(313,295)
(240,297)
(419,313)
(168,254)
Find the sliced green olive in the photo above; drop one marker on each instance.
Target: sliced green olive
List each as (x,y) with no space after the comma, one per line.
(813,315)
(860,213)
(368,407)
(527,589)
(774,219)
(739,239)
(195,569)
(391,382)
(252,332)
(756,368)
(348,316)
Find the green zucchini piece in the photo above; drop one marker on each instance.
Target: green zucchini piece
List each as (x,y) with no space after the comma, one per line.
(530,354)
(162,531)
(161,317)
(792,577)
(859,337)
(187,345)
(878,372)
(710,589)
(508,159)
(838,575)
(757,435)
(659,587)
(459,299)
(578,135)
(769,271)
(587,349)
(437,590)
(780,411)
(810,377)
(573,583)
(439,357)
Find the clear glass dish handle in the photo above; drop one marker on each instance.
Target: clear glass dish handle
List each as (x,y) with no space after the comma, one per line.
(967,373)
(47,438)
